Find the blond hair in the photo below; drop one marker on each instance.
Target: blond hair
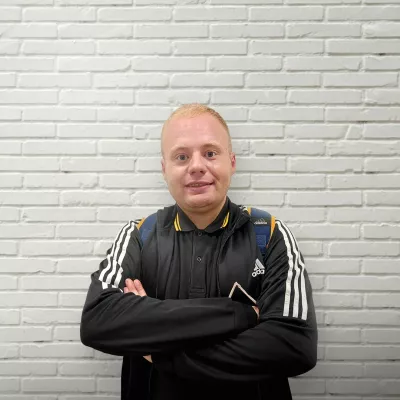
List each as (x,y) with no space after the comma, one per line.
(194,110)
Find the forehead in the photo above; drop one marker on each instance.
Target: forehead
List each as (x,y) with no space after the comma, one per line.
(193,132)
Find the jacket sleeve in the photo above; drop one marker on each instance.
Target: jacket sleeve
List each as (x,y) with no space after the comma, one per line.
(284,342)
(126,324)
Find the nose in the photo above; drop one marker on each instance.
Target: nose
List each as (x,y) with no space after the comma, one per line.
(196,164)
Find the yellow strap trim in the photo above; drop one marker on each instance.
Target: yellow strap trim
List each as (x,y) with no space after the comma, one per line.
(178,222)
(272,226)
(140,223)
(249,210)
(226,219)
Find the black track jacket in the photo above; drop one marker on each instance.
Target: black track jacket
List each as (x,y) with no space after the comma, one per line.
(204,348)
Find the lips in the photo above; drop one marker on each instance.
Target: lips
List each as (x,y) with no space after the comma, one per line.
(198,184)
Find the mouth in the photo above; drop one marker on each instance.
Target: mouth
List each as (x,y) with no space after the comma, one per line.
(199,184)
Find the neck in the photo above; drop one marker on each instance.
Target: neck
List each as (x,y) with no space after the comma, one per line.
(205,218)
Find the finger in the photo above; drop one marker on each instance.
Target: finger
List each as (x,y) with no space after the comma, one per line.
(131,287)
(139,287)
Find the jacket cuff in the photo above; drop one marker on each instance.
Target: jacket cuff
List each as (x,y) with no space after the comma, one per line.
(246,316)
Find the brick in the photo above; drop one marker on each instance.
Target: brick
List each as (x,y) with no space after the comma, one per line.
(95,368)
(122,214)
(390,387)
(96,97)
(286,47)
(25,334)
(29,31)
(260,131)
(94,131)
(323,30)
(60,180)
(223,31)
(247,164)
(40,64)
(348,386)
(355,352)
(134,14)
(380,267)
(363,148)
(67,333)
(325,164)
(59,114)
(25,265)
(274,147)
(87,231)
(207,80)
(339,335)
(302,386)
(8,282)
(9,47)
(247,63)
(98,31)
(85,198)
(249,97)
(294,215)
(9,214)
(59,214)
(10,13)
(315,131)
(55,350)
(363,283)
(71,299)
(234,114)
(169,64)
(54,80)
(28,164)
(388,181)
(15,130)
(28,198)
(133,181)
(311,249)
(109,385)
(364,79)
(29,299)
(318,231)
(287,114)
(382,29)
(363,13)
(384,336)
(204,13)
(163,31)
(280,79)
(59,47)
(335,300)
(26,368)
(23,231)
(310,63)
(97,164)
(337,370)
(287,182)
(149,114)
(147,131)
(11,180)
(382,63)
(51,316)
(59,147)
(355,46)
(7,80)
(381,231)
(54,283)
(129,147)
(286,13)
(358,249)
(130,80)
(81,266)
(317,282)
(71,385)
(382,370)
(56,248)
(10,114)
(171,97)
(332,199)
(325,96)
(10,385)
(9,317)
(8,147)
(8,248)
(208,47)
(386,198)
(9,351)
(128,47)
(73,14)
(94,64)
(376,131)
(376,96)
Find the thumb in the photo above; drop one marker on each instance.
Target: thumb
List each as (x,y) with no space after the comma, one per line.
(139,287)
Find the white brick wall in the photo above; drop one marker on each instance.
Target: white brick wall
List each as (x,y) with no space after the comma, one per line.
(310,89)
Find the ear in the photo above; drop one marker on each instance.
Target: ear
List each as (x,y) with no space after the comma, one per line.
(233,162)
(163,167)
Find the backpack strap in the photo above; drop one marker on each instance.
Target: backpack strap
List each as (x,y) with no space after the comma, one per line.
(145,226)
(264,224)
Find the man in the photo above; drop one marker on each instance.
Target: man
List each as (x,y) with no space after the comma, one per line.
(161,300)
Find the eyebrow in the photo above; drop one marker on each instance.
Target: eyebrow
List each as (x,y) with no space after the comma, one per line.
(209,144)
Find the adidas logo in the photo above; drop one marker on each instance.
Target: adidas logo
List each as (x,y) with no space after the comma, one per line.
(259,269)
(260,221)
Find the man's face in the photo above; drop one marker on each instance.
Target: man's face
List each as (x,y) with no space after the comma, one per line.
(197,163)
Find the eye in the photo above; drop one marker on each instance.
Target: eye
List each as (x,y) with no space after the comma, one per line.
(181,157)
(210,154)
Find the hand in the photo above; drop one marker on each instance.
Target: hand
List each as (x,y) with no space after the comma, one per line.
(257,312)
(135,287)
(148,358)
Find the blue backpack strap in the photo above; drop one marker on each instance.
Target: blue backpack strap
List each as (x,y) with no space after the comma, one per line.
(145,226)
(263,224)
